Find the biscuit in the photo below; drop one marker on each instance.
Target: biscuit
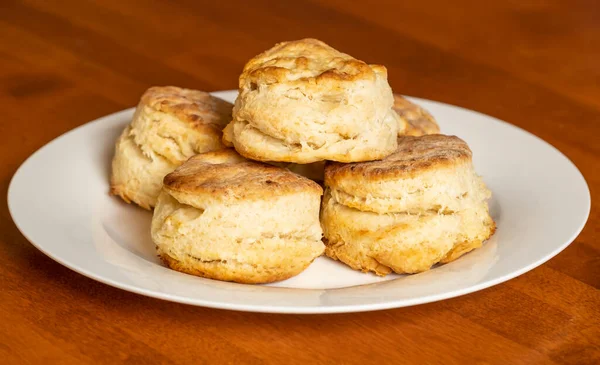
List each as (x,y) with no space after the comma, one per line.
(170,125)
(223,217)
(304,102)
(415,120)
(420,206)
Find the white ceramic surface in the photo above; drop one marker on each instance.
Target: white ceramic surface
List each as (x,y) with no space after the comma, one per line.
(59,200)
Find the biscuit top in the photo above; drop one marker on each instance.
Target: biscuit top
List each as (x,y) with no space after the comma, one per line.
(198,108)
(304,102)
(306,61)
(413,156)
(418,121)
(225,176)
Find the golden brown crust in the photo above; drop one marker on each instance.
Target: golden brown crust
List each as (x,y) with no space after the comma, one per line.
(198,108)
(417,120)
(413,156)
(363,263)
(229,272)
(468,246)
(226,174)
(306,61)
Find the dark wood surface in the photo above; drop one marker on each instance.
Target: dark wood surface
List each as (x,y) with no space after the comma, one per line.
(535,64)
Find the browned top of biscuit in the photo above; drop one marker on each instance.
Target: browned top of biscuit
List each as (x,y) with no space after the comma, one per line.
(413,156)
(226,176)
(196,107)
(418,121)
(306,61)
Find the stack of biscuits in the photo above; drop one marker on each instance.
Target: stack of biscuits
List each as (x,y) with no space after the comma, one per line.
(317,155)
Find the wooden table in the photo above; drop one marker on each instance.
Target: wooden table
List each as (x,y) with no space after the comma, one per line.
(64,63)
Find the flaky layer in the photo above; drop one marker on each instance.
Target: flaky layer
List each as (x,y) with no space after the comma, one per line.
(136,177)
(304,102)
(372,145)
(249,242)
(450,188)
(401,242)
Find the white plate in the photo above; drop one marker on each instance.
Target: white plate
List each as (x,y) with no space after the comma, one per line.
(58,198)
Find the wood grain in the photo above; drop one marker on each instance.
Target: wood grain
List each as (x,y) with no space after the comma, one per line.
(534,64)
